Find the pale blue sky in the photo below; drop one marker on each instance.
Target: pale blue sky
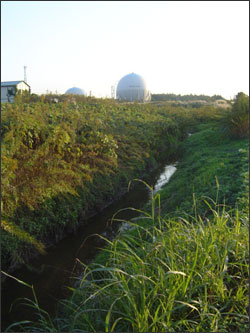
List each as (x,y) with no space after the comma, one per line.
(182,47)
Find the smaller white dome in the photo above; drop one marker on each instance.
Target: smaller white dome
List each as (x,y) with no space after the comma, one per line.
(75,91)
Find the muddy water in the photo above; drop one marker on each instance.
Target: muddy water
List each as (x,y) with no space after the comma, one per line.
(51,274)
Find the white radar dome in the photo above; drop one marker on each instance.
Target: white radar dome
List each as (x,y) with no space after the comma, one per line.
(75,91)
(131,88)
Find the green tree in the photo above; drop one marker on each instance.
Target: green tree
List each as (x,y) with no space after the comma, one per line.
(239,116)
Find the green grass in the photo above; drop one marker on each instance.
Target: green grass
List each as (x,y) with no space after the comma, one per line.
(183,265)
(209,159)
(174,275)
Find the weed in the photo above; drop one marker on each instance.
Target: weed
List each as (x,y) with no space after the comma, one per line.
(183,274)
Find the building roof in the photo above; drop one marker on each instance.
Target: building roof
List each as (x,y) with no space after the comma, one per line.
(131,80)
(75,91)
(12,83)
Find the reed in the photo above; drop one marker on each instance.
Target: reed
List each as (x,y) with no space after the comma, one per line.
(179,274)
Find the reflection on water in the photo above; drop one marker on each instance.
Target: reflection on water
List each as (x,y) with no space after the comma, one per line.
(165,177)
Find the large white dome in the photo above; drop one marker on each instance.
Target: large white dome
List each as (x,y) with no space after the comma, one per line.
(75,91)
(131,88)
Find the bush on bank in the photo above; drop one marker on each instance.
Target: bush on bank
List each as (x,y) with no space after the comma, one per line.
(62,161)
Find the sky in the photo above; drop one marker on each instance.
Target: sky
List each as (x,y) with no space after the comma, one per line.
(180,47)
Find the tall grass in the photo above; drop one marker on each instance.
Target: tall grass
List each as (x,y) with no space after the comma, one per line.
(172,275)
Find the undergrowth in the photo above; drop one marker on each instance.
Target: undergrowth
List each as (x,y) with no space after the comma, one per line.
(62,161)
(172,275)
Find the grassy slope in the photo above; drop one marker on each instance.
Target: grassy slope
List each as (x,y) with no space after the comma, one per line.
(209,158)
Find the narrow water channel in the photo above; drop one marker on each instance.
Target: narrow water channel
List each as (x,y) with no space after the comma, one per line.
(52,273)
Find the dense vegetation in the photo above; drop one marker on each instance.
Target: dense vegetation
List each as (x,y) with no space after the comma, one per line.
(185,98)
(77,154)
(174,270)
(170,275)
(183,265)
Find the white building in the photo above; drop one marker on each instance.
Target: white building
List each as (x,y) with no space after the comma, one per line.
(131,88)
(10,88)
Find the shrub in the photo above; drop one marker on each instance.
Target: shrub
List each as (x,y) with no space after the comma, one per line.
(239,116)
